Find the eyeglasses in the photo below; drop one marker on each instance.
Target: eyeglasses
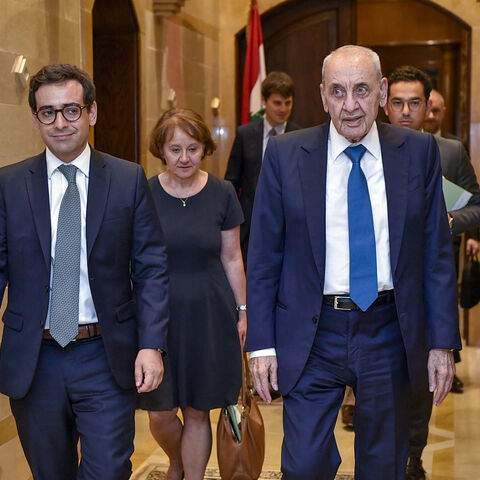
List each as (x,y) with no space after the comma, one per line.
(413,105)
(71,113)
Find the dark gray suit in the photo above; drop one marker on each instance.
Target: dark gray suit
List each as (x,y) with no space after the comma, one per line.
(457,168)
(243,170)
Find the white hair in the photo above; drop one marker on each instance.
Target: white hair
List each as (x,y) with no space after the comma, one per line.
(358,50)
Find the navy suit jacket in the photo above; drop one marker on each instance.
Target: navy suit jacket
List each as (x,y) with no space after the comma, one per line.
(244,167)
(286,262)
(126,266)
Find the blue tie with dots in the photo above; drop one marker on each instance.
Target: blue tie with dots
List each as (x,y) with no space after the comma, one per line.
(66,268)
(363,261)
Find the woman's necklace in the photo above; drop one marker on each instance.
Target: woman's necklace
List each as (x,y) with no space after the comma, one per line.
(187,196)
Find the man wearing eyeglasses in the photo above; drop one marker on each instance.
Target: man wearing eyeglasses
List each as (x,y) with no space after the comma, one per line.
(407,106)
(82,253)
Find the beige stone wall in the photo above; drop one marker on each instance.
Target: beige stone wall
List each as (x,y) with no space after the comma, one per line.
(180,52)
(43,35)
(181,55)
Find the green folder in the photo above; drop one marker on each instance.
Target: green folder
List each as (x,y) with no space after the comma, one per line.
(455,197)
(232,416)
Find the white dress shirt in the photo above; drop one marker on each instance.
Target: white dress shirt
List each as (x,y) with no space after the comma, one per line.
(337,251)
(57,184)
(279,129)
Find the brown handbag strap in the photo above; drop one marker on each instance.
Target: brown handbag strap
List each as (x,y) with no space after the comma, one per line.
(245,373)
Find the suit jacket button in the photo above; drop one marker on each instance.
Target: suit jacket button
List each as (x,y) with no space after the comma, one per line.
(314,320)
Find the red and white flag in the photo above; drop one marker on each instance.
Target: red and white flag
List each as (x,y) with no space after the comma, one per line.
(254,71)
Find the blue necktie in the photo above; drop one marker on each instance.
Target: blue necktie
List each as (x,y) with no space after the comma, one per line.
(363,261)
(66,269)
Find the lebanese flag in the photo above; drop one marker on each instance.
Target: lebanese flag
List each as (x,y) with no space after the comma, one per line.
(254,71)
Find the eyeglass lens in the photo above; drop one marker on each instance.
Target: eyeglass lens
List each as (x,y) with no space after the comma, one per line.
(71,113)
(413,105)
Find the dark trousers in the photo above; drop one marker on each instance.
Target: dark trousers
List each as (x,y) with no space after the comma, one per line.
(421,410)
(365,351)
(74,396)
(422,402)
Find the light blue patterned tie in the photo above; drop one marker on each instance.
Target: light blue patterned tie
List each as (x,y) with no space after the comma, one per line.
(363,260)
(66,268)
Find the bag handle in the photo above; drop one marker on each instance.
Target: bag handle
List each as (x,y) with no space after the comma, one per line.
(245,372)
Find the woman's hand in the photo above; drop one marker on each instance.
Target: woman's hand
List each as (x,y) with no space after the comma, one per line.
(242,327)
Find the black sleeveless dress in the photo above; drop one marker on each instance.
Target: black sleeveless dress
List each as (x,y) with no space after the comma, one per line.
(203,361)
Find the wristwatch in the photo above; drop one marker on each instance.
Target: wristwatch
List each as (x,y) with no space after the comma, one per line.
(241,308)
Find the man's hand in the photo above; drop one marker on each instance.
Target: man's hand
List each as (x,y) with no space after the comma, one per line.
(472,246)
(148,370)
(264,372)
(441,370)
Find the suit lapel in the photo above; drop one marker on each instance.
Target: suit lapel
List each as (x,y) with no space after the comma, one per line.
(98,187)
(257,144)
(288,128)
(312,167)
(37,188)
(396,160)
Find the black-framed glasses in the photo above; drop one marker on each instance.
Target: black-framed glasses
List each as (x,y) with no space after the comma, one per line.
(71,113)
(398,104)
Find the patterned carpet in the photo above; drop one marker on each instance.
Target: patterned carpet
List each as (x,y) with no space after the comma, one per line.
(157,472)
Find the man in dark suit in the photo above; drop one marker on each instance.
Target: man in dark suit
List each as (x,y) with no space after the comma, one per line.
(350,276)
(435,115)
(81,252)
(407,105)
(251,141)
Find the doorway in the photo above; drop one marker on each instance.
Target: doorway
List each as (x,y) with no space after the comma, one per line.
(116,76)
(296,37)
(422,34)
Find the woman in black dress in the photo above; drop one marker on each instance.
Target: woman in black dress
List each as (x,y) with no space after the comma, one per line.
(200,217)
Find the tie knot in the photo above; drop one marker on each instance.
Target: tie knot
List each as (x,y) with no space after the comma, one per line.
(355,153)
(272,132)
(70,172)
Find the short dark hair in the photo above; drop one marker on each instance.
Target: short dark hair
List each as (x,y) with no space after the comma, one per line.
(408,73)
(189,121)
(278,82)
(60,73)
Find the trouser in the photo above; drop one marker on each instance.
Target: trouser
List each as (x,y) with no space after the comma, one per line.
(364,350)
(421,410)
(75,397)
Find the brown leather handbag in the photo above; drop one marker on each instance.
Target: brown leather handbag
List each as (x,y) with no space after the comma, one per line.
(241,448)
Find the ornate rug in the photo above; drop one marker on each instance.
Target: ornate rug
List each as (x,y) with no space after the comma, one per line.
(155,471)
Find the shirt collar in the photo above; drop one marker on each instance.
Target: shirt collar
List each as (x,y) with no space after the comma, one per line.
(82,162)
(339,143)
(279,129)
